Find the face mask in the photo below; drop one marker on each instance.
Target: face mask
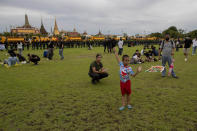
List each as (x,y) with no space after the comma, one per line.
(167,39)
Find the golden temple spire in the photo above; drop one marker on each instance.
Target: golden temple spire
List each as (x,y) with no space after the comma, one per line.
(55,31)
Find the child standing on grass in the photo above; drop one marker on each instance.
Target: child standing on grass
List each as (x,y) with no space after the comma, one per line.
(125,83)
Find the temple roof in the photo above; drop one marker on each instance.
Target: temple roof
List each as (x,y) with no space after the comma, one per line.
(55,31)
(42,29)
(27,25)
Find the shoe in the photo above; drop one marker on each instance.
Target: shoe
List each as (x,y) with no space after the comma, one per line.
(185,59)
(121,108)
(129,107)
(16,64)
(93,82)
(7,66)
(97,80)
(163,76)
(176,77)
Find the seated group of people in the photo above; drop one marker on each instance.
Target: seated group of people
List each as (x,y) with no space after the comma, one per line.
(149,54)
(16,58)
(97,71)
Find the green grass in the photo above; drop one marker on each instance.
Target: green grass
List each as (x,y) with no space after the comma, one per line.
(58,95)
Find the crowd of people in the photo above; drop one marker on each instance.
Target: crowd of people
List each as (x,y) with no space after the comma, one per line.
(165,53)
(147,54)
(15,58)
(36,45)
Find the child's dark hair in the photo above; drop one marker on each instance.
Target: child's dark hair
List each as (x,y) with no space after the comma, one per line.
(97,55)
(124,56)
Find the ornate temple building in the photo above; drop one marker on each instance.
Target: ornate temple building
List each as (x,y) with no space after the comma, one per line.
(73,33)
(42,29)
(85,33)
(25,29)
(99,34)
(56,31)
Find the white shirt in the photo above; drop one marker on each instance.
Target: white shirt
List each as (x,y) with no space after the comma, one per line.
(142,52)
(135,57)
(194,42)
(120,43)
(20,46)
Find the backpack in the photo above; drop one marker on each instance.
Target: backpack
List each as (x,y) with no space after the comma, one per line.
(163,44)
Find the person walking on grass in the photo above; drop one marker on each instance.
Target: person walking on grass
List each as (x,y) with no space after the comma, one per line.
(120,46)
(188,43)
(125,82)
(50,50)
(97,71)
(194,46)
(167,48)
(61,47)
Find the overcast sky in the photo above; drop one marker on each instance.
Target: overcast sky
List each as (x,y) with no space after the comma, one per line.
(110,16)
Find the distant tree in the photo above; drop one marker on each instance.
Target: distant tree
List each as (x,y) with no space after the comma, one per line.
(192,34)
(173,28)
(156,34)
(6,34)
(181,33)
(172,31)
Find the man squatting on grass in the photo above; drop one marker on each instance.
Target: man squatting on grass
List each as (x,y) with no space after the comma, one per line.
(97,71)
(33,58)
(125,82)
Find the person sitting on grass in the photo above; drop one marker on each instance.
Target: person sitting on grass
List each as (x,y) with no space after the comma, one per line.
(136,58)
(45,53)
(33,58)
(97,71)
(125,83)
(148,55)
(12,60)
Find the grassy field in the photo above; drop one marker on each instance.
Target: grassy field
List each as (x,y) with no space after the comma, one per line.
(58,95)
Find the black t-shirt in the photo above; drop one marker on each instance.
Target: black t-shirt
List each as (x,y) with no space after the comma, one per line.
(12,53)
(96,65)
(61,45)
(188,43)
(51,45)
(34,57)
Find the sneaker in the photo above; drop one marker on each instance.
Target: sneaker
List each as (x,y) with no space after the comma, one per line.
(176,77)
(185,59)
(129,107)
(121,108)
(163,76)
(7,66)
(16,64)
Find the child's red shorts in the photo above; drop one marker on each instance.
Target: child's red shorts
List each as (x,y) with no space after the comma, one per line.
(125,87)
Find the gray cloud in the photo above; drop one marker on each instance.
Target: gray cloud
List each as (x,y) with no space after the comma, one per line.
(111,16)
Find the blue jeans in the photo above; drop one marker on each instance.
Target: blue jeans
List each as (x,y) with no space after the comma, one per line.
(194,50)
(12,61)
(61,54)
(169,60)
(120,51)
